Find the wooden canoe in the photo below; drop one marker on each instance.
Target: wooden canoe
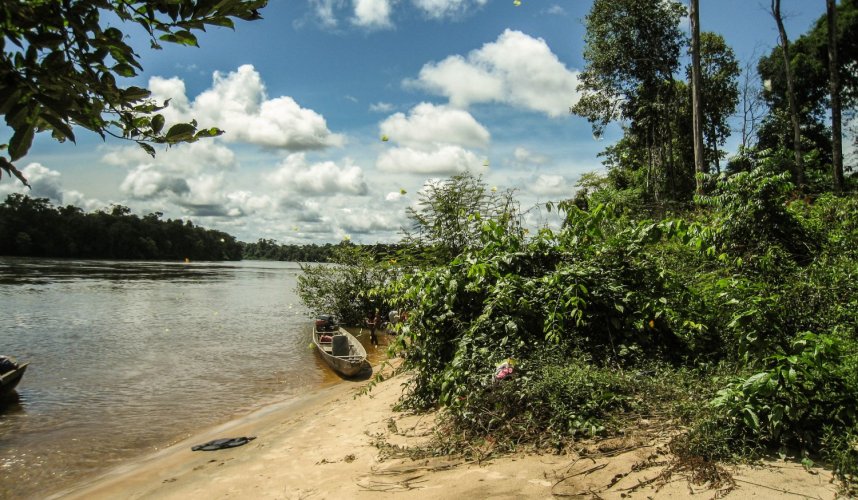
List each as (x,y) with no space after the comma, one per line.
(10,379)
(347,357)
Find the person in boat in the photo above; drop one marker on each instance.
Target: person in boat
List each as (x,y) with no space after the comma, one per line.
(373,323)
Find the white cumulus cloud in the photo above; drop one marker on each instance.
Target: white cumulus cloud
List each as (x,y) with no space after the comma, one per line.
(428,124)
(296,175)
(194,178)
(146,182)
(365,220)
(238,103)
(550,185)
(181,159)
(372,14)
(44,182)
(324,10)
(443,160)
(47,183)
(437,9)
(516,69)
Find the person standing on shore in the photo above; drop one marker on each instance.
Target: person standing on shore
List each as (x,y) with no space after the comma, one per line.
(372,323)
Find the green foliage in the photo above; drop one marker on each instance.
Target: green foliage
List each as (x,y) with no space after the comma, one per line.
(592,287)
(809,64)
(804,397)
(343,288)
(62,63)
(625,62)
(752,218)
(586,310)
(450,213)
(719,92)
(558,396)
(809,67)
(624,184)
(267,249)
(632,50)
(32,227)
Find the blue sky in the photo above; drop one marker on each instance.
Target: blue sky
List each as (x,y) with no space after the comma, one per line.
(306,94)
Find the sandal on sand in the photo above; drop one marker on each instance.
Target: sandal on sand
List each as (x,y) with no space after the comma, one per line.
(219,444)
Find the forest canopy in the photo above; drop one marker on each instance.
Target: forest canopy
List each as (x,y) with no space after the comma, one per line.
(32,227)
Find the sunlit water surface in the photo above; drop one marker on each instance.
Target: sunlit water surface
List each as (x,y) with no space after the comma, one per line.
(129,357)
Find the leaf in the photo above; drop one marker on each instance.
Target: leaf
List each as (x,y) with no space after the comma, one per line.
(208,132)
(9,96)
(21,141)
(148,148)
(221,21)
(8,167)
(135,93)
(124,69)
(777,415)
(58,125)
(180,132)
(169,37)
(157,123)
(756,381)
(751,418)
(186,38)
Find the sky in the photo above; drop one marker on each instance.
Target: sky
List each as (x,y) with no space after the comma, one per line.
(307,94)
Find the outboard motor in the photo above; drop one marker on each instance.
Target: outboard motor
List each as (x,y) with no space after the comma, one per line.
(326,323)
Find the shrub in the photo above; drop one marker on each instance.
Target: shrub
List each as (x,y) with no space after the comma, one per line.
(803,399)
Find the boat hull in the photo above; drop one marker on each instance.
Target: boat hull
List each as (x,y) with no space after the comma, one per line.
(349,364)
(10,379)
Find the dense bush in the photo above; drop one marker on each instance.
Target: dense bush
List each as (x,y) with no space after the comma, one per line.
(589,287)
(342,287)
(757,285)
(805,399)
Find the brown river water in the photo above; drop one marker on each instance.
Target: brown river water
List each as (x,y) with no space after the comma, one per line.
(127,358)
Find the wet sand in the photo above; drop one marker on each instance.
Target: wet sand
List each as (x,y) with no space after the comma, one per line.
(322,446)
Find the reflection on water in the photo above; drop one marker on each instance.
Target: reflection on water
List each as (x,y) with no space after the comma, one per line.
(129,357)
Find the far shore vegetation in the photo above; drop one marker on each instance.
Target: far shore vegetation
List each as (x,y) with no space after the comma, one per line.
(33,227)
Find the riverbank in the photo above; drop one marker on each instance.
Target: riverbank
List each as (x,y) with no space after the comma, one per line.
(324,445)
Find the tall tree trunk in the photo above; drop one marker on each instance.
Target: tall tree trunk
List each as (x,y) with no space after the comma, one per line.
(695,95)
(751,103)
(715,154)
(834,86)
(793,106)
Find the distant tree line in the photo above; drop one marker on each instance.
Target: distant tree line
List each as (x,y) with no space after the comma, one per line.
(33,227)
(268,249)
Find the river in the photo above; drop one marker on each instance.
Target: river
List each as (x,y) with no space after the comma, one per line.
(129,357)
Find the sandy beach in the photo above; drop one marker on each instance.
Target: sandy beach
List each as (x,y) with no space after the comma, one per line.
(323,445)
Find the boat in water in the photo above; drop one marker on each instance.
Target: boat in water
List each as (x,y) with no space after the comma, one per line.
(339,348)
(10,374)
